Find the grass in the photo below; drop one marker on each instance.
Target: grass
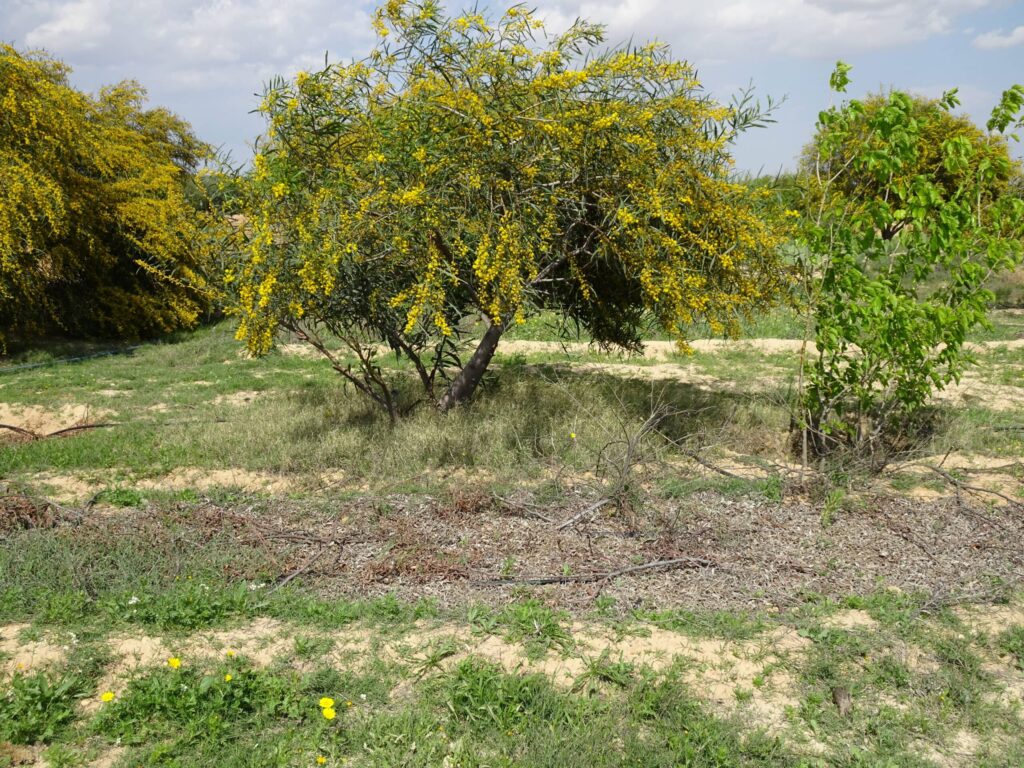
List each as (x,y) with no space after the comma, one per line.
(449,701)
(535,418)
(922,681)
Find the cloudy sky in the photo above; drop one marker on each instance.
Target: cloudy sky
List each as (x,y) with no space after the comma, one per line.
(206,59)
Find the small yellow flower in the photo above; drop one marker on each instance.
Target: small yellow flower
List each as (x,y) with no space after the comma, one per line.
(228,678)
(230,654)
(107,696)
(279,189)
(572,435)
(326,702)
(174,662)
(329,713)
(349,704)
(320,759)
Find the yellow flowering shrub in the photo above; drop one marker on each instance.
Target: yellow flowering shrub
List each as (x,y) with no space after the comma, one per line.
(486,167)
(97,232)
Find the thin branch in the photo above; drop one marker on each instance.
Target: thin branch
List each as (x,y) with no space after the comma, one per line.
(586,512)
(298,571)
(678,562)
(972,488)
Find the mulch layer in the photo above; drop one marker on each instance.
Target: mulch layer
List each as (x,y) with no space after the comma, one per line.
(701,552)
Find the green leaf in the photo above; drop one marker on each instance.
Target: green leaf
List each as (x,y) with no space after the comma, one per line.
(840,77)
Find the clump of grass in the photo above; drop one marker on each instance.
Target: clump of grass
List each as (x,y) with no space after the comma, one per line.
(1012,642)
(37,707)
(539,627)
(602,670)
(121,497)
(481,695)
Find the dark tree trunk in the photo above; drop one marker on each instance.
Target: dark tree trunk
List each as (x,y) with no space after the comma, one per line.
(463,385)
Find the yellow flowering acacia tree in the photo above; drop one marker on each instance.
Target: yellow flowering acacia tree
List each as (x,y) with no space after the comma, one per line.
(96,234)
(474,169)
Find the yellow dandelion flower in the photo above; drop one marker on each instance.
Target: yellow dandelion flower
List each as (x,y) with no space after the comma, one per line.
(572,435)
(329,713)
(107,696)
(174,662)
(228,678)
(320,759)
(230,654)
(326,702)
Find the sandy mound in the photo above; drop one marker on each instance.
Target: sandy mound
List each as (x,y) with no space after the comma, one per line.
(992,619)
(205,479)
(299,350)
(850,620)
(973,391)
(45,421)
(659,372)
(27,656)
(131,654)
(260,641)
(653,350)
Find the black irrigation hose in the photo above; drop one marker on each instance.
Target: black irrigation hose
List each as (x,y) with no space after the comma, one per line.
(26,366)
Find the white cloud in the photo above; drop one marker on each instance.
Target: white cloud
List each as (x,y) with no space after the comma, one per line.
(996,39)
(206,58)
(200,44)
(77,26)
(795,27)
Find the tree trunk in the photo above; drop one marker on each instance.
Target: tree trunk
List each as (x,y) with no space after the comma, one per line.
(463,385)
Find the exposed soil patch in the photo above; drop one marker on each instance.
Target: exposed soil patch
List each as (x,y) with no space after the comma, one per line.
(66,488)
(131,653)
(205,479)
(661,372)
(667,350)
(975,391)
(989,479)
(993,619)
(242,398)
(260,641)
(44,421)
(108,758)
(27,656)
(850,620)
(16,754)
(305,351)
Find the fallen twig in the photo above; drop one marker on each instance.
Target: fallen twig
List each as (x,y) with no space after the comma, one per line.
(37,436)
(588,511)
(28,433)
(81,427)
(588,578)
(298,571)
(524,507)
(972,488)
